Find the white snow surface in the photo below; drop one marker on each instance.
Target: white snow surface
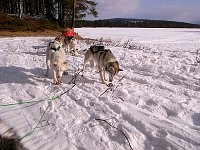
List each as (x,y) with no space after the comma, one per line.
(155,100)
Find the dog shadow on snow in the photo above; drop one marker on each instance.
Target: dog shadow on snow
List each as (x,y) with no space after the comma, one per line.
(19,75)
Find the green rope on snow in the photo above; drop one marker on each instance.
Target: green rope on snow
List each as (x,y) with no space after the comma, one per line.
(28,102)
(29,133)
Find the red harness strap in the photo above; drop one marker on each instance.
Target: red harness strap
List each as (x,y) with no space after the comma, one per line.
(68,32)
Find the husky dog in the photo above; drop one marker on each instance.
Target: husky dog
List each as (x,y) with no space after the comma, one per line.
(105,62)
(55,59)
(9,140)
(70,44)
(74,46)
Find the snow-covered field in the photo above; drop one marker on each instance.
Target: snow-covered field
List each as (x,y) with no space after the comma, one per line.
(153,105)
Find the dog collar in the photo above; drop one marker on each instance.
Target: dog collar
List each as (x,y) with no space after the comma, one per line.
(56,49)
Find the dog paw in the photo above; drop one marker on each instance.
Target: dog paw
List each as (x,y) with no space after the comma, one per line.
(109,84)
(57,83)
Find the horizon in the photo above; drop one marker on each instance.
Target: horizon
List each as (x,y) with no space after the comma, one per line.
(142,19)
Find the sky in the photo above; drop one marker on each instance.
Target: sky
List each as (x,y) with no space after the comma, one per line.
(173,10)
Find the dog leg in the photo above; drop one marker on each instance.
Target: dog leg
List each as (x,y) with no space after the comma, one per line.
(47,72)
(87,60)
(92,63)
(103,78)
(59,76)
(48,66)
(47,63)
(110,77)
(74,48)
(55,81)
(68,48)
(102,75)
(75,52)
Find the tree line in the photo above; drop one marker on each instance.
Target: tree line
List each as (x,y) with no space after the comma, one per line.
(134,23)
(63,12)
(59,10)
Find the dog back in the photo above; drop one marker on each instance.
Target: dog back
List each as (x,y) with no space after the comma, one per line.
(101,54)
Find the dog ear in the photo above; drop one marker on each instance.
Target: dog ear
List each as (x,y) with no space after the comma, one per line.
(57,38)
(120,69)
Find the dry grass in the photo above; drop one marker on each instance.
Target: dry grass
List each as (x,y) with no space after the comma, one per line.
(46,33)
(28,33)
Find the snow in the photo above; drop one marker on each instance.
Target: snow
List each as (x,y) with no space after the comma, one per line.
(155,101)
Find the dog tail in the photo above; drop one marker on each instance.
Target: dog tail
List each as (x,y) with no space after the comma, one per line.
(9,138)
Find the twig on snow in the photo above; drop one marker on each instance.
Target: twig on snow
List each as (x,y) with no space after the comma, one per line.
(104,119)
(74,77)
(68,90)
(108,89)
(113,89)
(118,130)
(118,84)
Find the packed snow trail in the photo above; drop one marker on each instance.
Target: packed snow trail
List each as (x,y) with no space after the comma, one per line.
(155,101)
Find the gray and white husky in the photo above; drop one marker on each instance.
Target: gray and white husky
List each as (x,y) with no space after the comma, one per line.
(105,62)
(9,140)
(55,59)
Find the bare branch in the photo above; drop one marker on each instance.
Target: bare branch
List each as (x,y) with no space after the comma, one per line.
(68,90)
(110,88)
(73,80)
(113,89)
(118,130)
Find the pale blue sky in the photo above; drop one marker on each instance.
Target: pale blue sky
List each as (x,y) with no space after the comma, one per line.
(175,10)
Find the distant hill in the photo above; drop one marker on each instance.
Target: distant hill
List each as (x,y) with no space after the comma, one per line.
(133,23)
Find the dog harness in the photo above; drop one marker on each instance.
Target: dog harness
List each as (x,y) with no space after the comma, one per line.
(100,48)
(68,32)
(104,51)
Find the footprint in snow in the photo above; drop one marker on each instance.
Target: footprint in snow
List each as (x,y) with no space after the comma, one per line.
(160,133)
(196,119)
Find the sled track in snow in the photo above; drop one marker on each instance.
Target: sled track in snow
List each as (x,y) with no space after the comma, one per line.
(154,105)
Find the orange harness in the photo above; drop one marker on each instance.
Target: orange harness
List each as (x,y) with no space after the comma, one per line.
(68,33)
